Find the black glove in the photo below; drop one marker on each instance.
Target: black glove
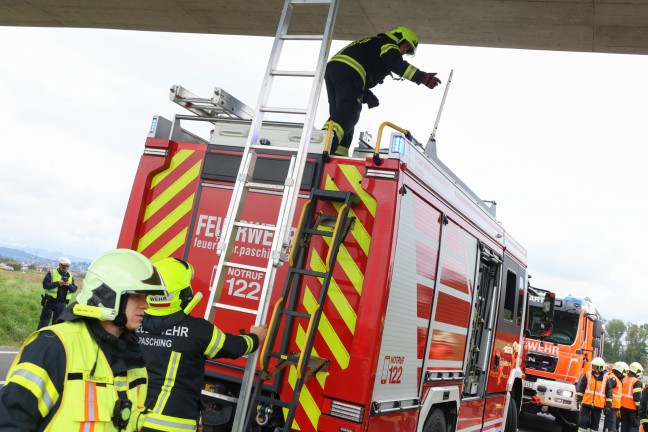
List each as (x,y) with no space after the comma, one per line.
(579,399)
(430,80)
(607,411)
(370,99)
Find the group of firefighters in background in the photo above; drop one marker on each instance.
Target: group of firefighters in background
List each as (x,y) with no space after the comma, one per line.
(615,390)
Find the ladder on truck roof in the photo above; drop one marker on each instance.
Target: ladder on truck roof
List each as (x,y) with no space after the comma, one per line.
(289,190)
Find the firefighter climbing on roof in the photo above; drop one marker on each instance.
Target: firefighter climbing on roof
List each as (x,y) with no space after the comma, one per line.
(631,398)
(594,394)
(175,346)
(359,67)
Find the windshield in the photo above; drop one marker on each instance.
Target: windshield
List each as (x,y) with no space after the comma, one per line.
(565,325)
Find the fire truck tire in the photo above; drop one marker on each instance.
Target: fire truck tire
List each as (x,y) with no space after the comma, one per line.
(435,422)
(511,417)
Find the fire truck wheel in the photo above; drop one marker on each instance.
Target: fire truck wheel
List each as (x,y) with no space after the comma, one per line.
(511,417)
(435,422)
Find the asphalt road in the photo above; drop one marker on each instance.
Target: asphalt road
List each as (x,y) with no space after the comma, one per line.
(7,355)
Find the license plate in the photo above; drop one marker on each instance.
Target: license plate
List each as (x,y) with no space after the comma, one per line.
(528,384)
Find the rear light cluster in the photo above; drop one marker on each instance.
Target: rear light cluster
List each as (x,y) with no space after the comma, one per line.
(347,411)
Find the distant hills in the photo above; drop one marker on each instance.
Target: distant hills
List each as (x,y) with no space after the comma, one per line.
(38,255)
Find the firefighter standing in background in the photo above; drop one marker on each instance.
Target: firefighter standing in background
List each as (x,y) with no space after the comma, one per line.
(643,410)
(615,382)
(360,66)
(59,286)
(87,372)
(175,346)
(631,398)
(593,394)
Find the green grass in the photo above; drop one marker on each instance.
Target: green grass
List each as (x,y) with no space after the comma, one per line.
(20,296)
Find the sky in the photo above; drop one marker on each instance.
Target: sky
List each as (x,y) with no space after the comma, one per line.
(558,139)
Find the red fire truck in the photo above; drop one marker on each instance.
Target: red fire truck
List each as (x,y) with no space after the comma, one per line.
(421,325)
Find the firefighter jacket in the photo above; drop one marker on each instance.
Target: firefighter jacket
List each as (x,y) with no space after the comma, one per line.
(616,385)
(51,286)
(631,396)
(594,390)
(72,377)
(376,57)
(643,408)
(175,347)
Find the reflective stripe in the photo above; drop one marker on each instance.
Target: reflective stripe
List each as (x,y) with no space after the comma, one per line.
(387,47)
(215,344)
(409,72)
(337,129)
(121,384)
(627,397)
(250,344)
(350,61)
(169,382)
(167,423)
(37,381)
(91,407)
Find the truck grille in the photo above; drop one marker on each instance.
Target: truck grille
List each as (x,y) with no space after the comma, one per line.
(541,362)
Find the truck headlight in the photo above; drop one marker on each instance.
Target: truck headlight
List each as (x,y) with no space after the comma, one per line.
(564,393)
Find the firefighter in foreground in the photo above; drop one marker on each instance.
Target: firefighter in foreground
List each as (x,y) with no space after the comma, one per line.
(175,346)
(87,372)
(59,286)
(594,394)
(360,66)
(631,398)
(643,410)
(615,381)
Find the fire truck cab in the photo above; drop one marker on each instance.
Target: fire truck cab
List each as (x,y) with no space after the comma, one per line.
(555,359)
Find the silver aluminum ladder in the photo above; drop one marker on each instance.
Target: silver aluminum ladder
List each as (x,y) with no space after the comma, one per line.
(289,190)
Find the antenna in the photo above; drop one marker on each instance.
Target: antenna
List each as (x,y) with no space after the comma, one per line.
(430,148)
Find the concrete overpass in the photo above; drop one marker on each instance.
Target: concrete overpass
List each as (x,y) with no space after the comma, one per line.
(608,26)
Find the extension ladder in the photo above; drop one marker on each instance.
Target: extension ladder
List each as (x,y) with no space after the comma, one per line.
(289,190)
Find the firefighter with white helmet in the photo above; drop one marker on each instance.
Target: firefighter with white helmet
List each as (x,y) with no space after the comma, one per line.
(615,382)
(594,395)
(631,398)
(175,346)
(87,372)
(360,66)
(59,286)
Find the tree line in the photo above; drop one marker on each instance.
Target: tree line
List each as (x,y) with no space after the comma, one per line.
(626,342)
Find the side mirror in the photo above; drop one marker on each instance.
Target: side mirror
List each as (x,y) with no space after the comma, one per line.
(598,329)
(527,332)
(548,306)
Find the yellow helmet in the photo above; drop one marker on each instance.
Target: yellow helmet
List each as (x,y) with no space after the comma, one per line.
(636,368)
(620,367)
(402,34)
(177,275)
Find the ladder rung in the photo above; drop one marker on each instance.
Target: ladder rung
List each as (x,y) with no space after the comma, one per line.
(265,186)
(331,195)
(296,314)
(308,272)
(302,37)
(275,148)
(291,359)
(244,266)
(235,308)
(289,73)
(273,401)
(320,2)
(278,110)
(256,226)
(317,232)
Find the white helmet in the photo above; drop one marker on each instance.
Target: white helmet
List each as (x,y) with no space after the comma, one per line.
(636,368)
(598,364)
(65,261)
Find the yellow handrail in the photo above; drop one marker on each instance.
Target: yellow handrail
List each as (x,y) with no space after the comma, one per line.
(308,330)
(265,342)
(329,132)
(376,156)
(298,234)
(336,232)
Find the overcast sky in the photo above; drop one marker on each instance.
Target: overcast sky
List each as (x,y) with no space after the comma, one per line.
(557,139)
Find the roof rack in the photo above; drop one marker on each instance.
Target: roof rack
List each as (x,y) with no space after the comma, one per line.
(221,104)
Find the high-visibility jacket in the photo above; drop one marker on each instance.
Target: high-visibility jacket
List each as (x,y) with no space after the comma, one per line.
(631,396)
(90,391)
(55,278)
(595,390)
(617,391)
(175,347)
